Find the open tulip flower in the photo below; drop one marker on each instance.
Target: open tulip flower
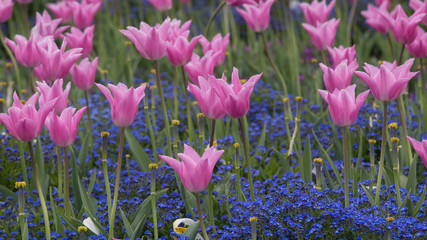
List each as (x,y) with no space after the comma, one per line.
(55,63)
(201,67)
(124,102)
(209,102)
(218,44)
(194,171)
(375,17)
(24,121)
(84,12)
(179,51)
(25,51)
(48,93)
(63,128)
(81,39)
(62,10)
(322,34)
(6,8)
(341,53)
(161,5)
(235,97)
(340,76)
(317,12)
(418,48)
(343,106)
(150,41)
(83,74)
(46,26)
(257,16)
(420,148)
(388,81)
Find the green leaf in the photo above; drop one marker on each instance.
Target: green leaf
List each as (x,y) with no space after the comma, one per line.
(192,230)
(128,227)
(306,167)
(75,179)
(92,182)
(334,168)
(412,176)
(370,196)
(59,227)
(404,202)
(137,151)
(6,192)
(261,141)
(420,202)
(144,209)
(283,160)
(84,151)
(90,207)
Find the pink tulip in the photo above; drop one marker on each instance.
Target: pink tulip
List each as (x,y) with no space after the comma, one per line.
(323,34)
(340,76)
(176,29)
(375,17)
(418,5)
(161,5)
(235,97)
(385,2)
(24,121)
(317,12)
(48,93)
(84,13)
(209,102)
(83,75)
(151,42)
(46,26)
(218,44)
(179,52)
(63,129)
(124,102)
(24,1)
(404,28)
(418,48)
(388,81)
(79,39)
(341,53)
(257,16)
(194,171)
(61,10)
(201,67)
(420,148)
(6,8)
(25,50)
(55,63)
(236,3)
(343,106)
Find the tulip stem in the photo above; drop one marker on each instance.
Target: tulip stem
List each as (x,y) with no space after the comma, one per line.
(210,186)
(401,54)
(58,153)
(390,43)
(67,184)
(346,164)
(350,21)
(175,92)
(150,130)
(12,57)
(165,112)
(202,224)
(212,139)
(117,184)
(396,174)
(40,191)
(153,200)
(383,141)
(189,120)
(402,115)
(237,168)
(248,166)
(423,87)
(267,52)
(212,18)
(23,164)
(107,184)
(89,120)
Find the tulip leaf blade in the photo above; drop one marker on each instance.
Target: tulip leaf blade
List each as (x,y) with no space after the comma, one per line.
(306,167)
(420,202)
(192,230)
(138,152)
